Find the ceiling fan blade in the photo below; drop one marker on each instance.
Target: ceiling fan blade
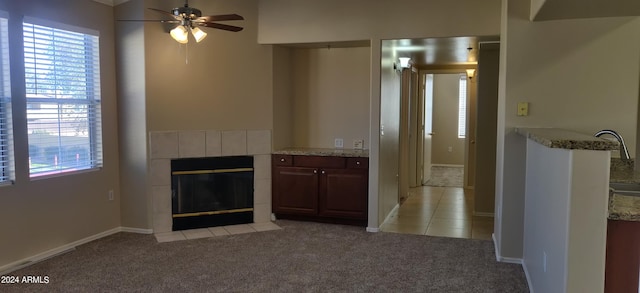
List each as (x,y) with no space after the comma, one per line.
(221,26)
(151,20)
(221,17)
(165,13)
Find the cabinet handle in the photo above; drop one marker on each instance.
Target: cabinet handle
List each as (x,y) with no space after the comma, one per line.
(323,172)
(282,159)
(315,171)
(357,162)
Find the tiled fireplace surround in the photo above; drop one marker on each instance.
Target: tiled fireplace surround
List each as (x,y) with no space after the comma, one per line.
(167,145)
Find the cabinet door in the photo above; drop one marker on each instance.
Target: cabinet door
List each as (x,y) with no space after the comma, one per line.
(343,193)
(295,190)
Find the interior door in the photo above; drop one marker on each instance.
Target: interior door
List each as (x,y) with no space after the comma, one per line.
(428,125)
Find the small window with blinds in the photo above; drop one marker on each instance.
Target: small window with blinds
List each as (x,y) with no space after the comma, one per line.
(62,80)
(462,106)
(6,138)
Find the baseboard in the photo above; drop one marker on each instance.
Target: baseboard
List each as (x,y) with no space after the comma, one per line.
(526,274)
(447,165)
(373,230)
(393,211)
(481,214)
(512,260)
(25,262)
(136,230)
(502,258)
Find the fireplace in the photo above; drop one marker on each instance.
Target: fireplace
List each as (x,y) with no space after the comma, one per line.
(214,191)
(167,146)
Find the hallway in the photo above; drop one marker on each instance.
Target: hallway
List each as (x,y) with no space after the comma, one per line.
(439,211)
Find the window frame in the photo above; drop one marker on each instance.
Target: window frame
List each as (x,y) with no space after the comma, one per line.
(462,105)
(86,104)
(7,159)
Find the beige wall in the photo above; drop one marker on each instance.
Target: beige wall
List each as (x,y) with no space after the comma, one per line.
(223,83)
(285,21)
(132,115)
(282,98)
(583,83)
(487,111)
(445,121)
(330,96)
(389,138)
(226,84)
(44,214)
(307,21)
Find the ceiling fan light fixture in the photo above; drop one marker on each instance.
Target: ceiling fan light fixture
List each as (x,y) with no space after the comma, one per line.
(198,34)
(180,34)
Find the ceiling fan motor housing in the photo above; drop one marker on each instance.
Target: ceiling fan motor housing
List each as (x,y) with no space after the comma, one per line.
(187,12)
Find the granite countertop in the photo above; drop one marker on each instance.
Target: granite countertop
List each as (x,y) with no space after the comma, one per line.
(567,139)
(623,207)
(323,152)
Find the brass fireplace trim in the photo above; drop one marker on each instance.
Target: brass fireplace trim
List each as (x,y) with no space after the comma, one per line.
(212,213)
(195,172)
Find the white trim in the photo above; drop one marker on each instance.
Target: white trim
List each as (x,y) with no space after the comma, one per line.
(60,26)
(526,274)
(111,2)
(136,230)
(482,214)
(447,165)
(105,2)
(25,262)
(373,230)
(501,258)
(393,210)
(512,260)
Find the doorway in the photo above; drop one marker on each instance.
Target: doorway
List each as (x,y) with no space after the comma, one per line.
(446,96)
(454,207)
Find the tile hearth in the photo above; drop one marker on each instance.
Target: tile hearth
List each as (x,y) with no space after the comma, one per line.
(167,145)
(215,231)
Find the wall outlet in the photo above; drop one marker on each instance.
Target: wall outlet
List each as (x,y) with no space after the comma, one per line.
(339,143)
(358,144)
(110,195)
(450,149)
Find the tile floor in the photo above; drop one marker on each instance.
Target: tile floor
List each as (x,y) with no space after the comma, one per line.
(439,211)
(215,231)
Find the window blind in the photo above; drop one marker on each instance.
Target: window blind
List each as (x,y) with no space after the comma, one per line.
(462,106)
(62,83)
(6,137)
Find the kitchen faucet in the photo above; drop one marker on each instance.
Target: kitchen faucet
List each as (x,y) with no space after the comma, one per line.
(624,153)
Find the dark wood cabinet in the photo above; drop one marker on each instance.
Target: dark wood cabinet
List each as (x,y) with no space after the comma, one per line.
(327,189)
(623,257)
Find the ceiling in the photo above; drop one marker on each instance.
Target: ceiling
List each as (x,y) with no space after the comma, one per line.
(570,9)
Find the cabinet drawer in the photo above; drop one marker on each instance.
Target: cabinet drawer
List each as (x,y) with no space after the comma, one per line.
(282,160)
(319,162)
(362,163)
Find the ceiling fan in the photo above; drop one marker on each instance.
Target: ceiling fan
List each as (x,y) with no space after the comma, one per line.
(189,19)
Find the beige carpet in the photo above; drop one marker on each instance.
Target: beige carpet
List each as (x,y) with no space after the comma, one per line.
(446,176)
(301,257)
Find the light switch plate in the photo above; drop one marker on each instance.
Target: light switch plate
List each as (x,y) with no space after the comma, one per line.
(358,144)
(523,109)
